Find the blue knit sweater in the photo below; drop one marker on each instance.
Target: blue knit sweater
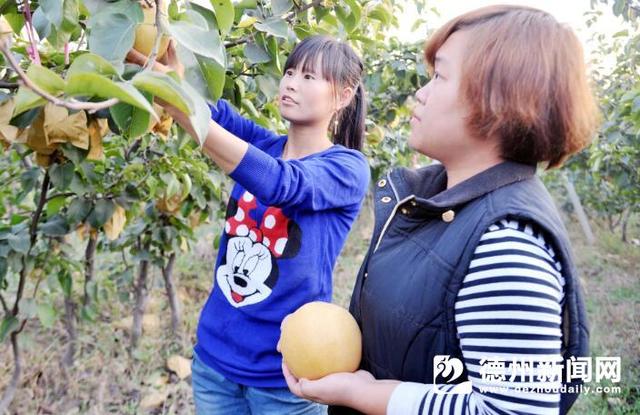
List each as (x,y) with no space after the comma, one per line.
(286,223)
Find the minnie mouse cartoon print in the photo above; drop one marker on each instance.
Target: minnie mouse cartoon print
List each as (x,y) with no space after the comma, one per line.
(249,271)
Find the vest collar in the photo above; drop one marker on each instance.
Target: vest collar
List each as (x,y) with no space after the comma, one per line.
(428,185)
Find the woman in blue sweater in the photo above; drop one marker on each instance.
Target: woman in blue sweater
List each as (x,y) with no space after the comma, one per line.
(294,201)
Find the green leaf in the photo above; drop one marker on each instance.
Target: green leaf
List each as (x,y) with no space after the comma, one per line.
(274,26)
(112,30)
(54,205)
(131,121)
(280,7)
(44,78)
(52,10)
(90,84)
(202,42)
(20,242)
(65,282)
(203,74)
(4,267)
(90,62)
(9,324)
(381,13)
(224,14)
(74,154)
(27,308)
(55,226)
(41,23)
(16,21)
(26,99)
(171,183)
(70,14)
(78,210)
(246,4)
(201,114)
(255,53)
(268,85)
(163,86)
(214,76)
(101,212)
(61,175)
(47,314)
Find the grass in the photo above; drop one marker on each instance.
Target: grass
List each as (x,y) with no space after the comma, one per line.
(106,379)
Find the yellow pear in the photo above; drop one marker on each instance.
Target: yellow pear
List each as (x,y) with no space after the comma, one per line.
(146,31)
(319,339)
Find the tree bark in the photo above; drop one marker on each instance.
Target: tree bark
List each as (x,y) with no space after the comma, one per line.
(70,326)
(141,296)
(172,295)
(577,207)
(89,267)
(12,387)
(625,223)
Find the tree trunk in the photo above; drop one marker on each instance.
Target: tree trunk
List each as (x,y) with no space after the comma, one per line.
(172,295)
(12,387)
(70,326)
(141,296)
(625,223)
(89,260)
(577,207)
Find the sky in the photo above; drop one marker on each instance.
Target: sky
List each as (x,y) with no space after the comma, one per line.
(565,11)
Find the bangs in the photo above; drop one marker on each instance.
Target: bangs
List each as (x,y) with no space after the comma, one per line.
(309,55)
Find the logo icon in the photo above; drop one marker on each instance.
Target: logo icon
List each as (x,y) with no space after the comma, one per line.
(446,370)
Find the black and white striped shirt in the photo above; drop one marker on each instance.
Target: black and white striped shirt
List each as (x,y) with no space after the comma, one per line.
(508,308)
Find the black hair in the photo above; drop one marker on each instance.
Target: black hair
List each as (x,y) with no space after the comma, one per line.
(341,66)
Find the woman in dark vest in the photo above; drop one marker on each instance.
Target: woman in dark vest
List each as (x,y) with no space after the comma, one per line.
(468,298)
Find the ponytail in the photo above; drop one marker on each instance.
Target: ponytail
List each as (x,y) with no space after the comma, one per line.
(349,131)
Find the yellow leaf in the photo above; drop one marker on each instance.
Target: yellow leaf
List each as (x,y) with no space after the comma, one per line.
(163,127)
(60,127)
(114,226)
(8,133)
(152,400)
(247,21)
(97,129)
(184,246)
(6,111)
(181,366)
(36,138)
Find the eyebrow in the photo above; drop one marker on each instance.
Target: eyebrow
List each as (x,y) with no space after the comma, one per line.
(439,59)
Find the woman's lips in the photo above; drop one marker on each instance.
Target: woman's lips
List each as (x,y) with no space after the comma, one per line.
(287,99)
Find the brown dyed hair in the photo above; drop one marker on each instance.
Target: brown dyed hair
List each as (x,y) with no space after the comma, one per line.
(524,81)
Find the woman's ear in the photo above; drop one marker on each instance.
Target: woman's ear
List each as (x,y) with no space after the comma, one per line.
(345,97)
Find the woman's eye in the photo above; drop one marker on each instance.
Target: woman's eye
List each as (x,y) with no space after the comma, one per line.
(436,75)
(309,76)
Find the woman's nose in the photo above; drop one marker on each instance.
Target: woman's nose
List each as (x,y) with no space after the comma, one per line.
(421,95)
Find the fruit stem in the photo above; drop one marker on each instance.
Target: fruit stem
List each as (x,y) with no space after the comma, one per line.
(156,43)
(33,48)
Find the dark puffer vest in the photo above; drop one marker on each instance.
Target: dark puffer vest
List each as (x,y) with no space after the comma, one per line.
(423,241)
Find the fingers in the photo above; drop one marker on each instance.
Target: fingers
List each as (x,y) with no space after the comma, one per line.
(133,56)
(292,381)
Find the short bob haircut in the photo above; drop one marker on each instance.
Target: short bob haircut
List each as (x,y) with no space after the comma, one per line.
(524,81)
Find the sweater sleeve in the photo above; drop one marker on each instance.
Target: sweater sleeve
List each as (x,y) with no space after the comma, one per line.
(336,179)
(508,310)
(228,118)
